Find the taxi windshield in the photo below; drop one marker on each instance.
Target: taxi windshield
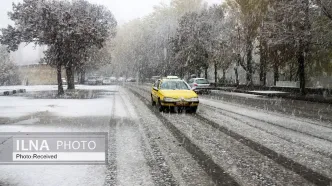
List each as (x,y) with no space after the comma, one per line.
(174,85)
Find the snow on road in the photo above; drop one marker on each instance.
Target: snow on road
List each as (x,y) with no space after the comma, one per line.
(314,128)
(131,165)
(149,148)
(284,138)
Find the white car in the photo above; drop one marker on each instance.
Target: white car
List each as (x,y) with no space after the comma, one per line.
(121,79)
(92,80)
(107,81)
(199,85)
(113,79)
(64,81)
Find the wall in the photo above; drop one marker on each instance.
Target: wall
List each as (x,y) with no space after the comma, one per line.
(39,74)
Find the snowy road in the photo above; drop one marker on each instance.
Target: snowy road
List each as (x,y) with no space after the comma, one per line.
(226,143)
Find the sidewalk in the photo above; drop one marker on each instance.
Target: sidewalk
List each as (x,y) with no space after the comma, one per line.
(281,94)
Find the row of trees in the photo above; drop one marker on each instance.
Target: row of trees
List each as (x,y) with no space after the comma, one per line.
(8,70)
(75,33)
(259,36)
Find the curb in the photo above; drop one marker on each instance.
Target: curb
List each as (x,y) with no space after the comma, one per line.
(11,92)
(281,95)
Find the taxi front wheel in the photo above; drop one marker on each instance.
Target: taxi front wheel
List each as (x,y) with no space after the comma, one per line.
(160,107)
(153,102)
(194,109)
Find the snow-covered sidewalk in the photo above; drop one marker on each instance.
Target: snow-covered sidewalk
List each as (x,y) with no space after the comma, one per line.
(269,92)
(14,106)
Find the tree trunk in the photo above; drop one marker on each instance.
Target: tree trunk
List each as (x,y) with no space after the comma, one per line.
(301,70)
(70,78)
(82,79)
(291,72)
(224,76)
(249,61)
(261,72)
(199,73)
(276,73)
(59,78)
(215,73)
(236,76)
(206,73)
(262,69)
(303,49)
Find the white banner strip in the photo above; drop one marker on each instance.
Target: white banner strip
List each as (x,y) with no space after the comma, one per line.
(58,156)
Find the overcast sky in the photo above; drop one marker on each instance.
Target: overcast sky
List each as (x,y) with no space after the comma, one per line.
(123,10)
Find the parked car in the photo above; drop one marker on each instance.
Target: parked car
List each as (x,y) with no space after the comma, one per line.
(154,78)
(121,79)
(199,85)
(107,81)
(113,79)
(131,80)
(64,81)
(92,80)
(99,80)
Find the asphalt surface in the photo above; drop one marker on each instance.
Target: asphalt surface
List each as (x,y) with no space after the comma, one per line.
(232,140)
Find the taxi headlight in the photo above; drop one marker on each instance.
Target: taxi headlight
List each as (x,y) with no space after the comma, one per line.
(169,99)
(194,99)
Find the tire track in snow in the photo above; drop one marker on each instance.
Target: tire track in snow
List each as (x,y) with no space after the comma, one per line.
(111,174)
(309,133)
(159,169)
(296,108)
(325,137)
(305,172)
(183,167)
(217,173)
(306,146)
(277,113)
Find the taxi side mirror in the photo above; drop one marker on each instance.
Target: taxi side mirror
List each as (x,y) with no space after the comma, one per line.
(155,88)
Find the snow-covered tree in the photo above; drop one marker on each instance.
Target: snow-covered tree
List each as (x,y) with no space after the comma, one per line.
(288,25)
(249,16)
(8,70)
(68,28)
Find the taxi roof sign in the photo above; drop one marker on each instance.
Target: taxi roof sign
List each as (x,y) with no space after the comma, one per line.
(172,77)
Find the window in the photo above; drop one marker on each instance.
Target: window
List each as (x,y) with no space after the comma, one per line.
(202,81)
(174,85)
(156,84)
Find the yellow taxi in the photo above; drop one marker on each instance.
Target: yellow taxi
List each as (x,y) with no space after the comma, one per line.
(171,92)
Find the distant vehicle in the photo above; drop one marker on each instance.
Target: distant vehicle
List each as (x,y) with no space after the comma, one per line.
(131,80)
(99,80)
(155,78)
(92,80)
(169,93)
(64,81)
(113,79)
(121,79)
(107,81)
(199,85)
